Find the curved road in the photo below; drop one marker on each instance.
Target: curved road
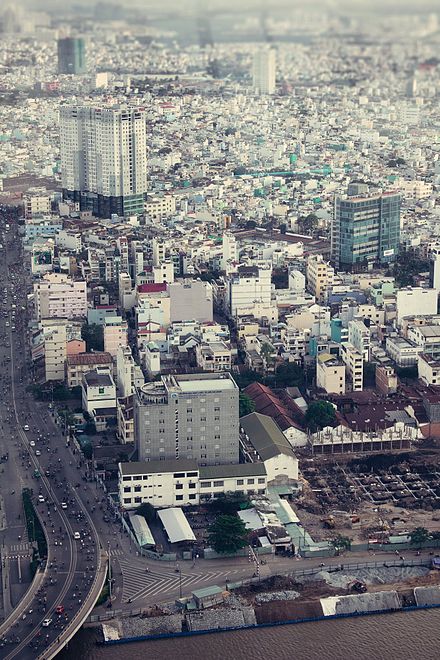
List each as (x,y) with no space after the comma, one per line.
(72,564)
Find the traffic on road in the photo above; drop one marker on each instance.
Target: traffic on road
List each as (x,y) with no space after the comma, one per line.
(35,456)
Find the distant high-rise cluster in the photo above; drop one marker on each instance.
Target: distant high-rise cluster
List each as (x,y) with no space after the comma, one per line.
(264,71)
(71,55)
(103,159)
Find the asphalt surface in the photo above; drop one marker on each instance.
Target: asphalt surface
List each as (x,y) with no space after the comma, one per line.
(71,564)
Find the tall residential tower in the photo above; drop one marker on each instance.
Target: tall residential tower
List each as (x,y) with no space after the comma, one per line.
(264,71)
(103,158)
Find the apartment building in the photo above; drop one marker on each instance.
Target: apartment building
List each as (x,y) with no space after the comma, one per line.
(59,296)
(330,374)
(104,158)
(248,287)
(115,334)
(320,275)
(354,364)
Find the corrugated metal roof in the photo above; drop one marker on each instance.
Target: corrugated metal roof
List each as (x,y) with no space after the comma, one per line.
(265,436)
(176,525)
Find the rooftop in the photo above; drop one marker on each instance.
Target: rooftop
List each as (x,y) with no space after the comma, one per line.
(265,436)
(235,470)
(89,358)
(94,379)
(158,467)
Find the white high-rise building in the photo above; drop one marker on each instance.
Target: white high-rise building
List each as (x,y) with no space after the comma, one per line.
(103,158)
(229,252)
(264,71)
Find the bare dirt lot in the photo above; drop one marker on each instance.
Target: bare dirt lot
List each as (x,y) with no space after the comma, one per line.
(370,496)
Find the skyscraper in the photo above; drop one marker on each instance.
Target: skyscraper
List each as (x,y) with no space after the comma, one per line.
(103,158)
(365,228)
(71,55)
(264,71)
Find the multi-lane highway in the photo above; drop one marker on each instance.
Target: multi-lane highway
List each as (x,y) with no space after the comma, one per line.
(31,444)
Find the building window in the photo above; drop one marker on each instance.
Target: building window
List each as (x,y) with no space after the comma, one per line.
(192,485)
(192,474)
(261,480)
(126,478)
(137,500)
(127,500)
(251,481)
(192,496)
(179,486)
(127,489)
(137,489)
(179,498)
(218,484)
(240,482)
(205,484)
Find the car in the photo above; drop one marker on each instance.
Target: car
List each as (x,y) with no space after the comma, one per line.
(26,427)
(32,443)
(64,505)
(41,498)
(60,609)
(46,623)
(76,536)
(38,452)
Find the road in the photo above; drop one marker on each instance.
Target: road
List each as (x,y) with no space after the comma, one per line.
(71,565)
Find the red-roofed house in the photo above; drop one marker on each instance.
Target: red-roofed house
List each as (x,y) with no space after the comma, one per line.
(285,415)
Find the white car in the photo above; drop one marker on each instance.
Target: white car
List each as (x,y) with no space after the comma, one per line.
(41,498)
(26,427)
(46,623)
(64,505)
(32,443)
(76,536)
(37,452)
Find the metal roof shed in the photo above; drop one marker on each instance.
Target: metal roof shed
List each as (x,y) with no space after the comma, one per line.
(141,530)
(176,525)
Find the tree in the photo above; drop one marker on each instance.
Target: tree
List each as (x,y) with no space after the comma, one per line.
(308,223)
(418,536)
(227,534)
(93,335)
(319,414)
(341,543)
(289,374)
(147,510)
(246,405)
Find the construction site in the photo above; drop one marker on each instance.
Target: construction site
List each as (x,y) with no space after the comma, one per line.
(370,498)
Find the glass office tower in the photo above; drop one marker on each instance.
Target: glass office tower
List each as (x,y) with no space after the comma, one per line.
(365,230)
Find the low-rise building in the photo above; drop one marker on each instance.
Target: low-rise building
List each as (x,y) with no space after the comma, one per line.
(402,351)
(182,482)
(330,374)
(214,356)
(428,369)
(262,440)
(82,363)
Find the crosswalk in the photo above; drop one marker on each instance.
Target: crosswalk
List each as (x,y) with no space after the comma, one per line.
(141,585)
(23,548)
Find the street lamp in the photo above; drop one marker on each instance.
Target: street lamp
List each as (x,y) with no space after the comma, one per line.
(109,572)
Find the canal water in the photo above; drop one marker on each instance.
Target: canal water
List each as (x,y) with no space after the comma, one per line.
(399,636)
